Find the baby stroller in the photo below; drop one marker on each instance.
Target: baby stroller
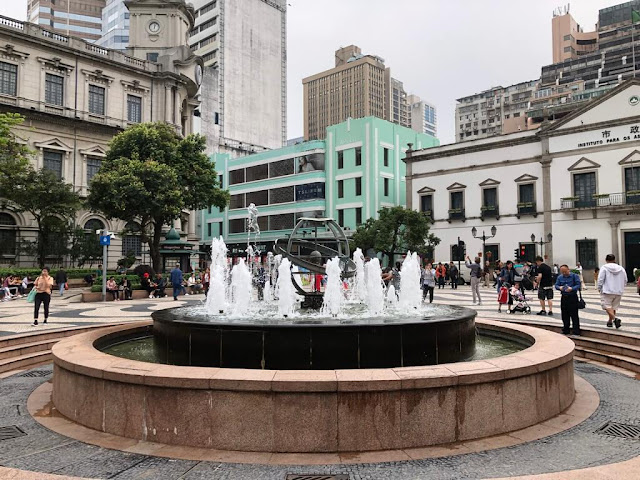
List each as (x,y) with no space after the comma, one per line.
(520,303)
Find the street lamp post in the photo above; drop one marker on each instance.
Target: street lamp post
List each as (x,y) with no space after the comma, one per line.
(484,237)
(541,242)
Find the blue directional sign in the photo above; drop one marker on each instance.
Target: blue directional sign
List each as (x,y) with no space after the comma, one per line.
(105,240)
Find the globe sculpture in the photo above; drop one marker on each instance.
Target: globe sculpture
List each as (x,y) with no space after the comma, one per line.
(311,244)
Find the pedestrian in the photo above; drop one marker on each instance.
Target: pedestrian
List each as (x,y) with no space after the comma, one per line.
(428,282)
(453,275)
(113,289)
(596,272)
(507,275)
(611,282)
(579,269)
(568,284)
(544,283)
(125,287)
(440,273)
(175,278)
(206,280)
(61,280)
(496,274)
(43,285)
(487,273)
(261,281)
(395,281)
(556,272)
(476,275)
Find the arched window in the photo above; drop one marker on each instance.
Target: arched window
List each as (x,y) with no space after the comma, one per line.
(92,225)
(8,232)
(131,240)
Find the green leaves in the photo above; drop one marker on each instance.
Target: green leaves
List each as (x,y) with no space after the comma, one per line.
(396,231)
(150,174)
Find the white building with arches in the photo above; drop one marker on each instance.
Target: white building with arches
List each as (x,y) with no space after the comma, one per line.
(76,96)
(573,184)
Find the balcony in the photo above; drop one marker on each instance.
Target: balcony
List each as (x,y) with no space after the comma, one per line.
(527,208)
(489,211)
(428,214)
(601,200)
(456,214)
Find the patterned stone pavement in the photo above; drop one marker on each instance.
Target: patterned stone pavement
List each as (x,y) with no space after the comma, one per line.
(41,450)
(16,316)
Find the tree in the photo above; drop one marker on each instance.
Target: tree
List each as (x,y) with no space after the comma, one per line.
(14,156)
(85,248)
(149,175)
(52,203)
(396,231)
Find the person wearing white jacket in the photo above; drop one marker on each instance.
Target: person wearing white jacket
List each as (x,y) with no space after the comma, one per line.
(611,282)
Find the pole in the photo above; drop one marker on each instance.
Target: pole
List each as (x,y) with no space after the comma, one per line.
(459,255)
(105,257)
(633,46)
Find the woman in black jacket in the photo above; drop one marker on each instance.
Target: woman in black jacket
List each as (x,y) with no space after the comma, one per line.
(125,287)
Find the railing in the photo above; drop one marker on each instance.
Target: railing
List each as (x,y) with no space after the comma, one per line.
(601,200)
(527,208)
(489,211)
(32,30)
(456,214)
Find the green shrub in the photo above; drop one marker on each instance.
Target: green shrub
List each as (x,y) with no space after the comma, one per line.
(98,288)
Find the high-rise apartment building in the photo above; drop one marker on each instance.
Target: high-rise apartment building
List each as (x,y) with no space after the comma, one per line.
(244,91)
(80,18)
(115,26)
(497,111)
(358,86)
(422,116)
(568,38)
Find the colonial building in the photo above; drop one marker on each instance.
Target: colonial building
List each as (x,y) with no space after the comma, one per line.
(358,169)
(76,96)
(573,185)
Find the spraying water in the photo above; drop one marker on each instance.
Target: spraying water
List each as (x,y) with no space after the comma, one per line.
(359,285)
(285,292)
(410,293)
(241,288)
(333,296)
(392,298)
(217,297)
(374,294)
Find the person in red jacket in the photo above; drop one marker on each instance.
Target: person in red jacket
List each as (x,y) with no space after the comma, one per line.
(441,272)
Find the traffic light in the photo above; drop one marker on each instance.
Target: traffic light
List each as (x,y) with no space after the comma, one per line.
(455,252)
(522,251)
(462,249)
(516,254)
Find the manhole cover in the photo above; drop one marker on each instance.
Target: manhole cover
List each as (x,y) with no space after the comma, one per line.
(297,476)
(7,433)
(36,373)
(622,430)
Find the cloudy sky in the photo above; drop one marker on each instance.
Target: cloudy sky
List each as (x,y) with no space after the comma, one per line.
(440,49)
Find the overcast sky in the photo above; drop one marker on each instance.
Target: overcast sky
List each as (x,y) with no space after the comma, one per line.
(440,49)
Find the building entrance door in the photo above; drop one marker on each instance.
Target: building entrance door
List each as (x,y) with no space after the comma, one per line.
(631,252)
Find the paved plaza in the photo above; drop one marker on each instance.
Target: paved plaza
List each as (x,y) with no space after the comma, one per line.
(42,451)
(16,316)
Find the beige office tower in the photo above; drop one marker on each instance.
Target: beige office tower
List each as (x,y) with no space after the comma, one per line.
(79,18)
(569,40)
(358,86)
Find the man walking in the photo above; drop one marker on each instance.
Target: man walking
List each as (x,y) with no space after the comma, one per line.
(61,280)
(568,284)
(544,282)
(176,281)
(476,275)
(611,282)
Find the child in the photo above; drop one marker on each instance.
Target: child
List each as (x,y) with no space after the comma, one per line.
(504,297)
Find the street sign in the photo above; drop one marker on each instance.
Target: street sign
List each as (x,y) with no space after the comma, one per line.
(105,240)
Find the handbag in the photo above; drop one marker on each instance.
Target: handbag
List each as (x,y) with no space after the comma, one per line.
(32,295)
(581,303)
(66,286)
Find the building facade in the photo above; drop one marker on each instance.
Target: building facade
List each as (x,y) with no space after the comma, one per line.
(76,96)
(497,111)
(358,86)
(115,26)
(576,179)
(423,116)
(349,176)
(569,41)
(78,18)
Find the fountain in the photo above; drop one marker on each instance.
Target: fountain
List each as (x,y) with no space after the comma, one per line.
(397,368)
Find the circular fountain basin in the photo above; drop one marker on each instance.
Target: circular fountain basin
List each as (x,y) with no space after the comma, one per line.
(341,410)
(187,336)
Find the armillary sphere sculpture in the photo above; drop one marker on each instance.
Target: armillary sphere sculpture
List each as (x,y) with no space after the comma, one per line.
(311,244)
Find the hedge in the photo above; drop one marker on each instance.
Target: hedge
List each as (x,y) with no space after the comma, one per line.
(72,273)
